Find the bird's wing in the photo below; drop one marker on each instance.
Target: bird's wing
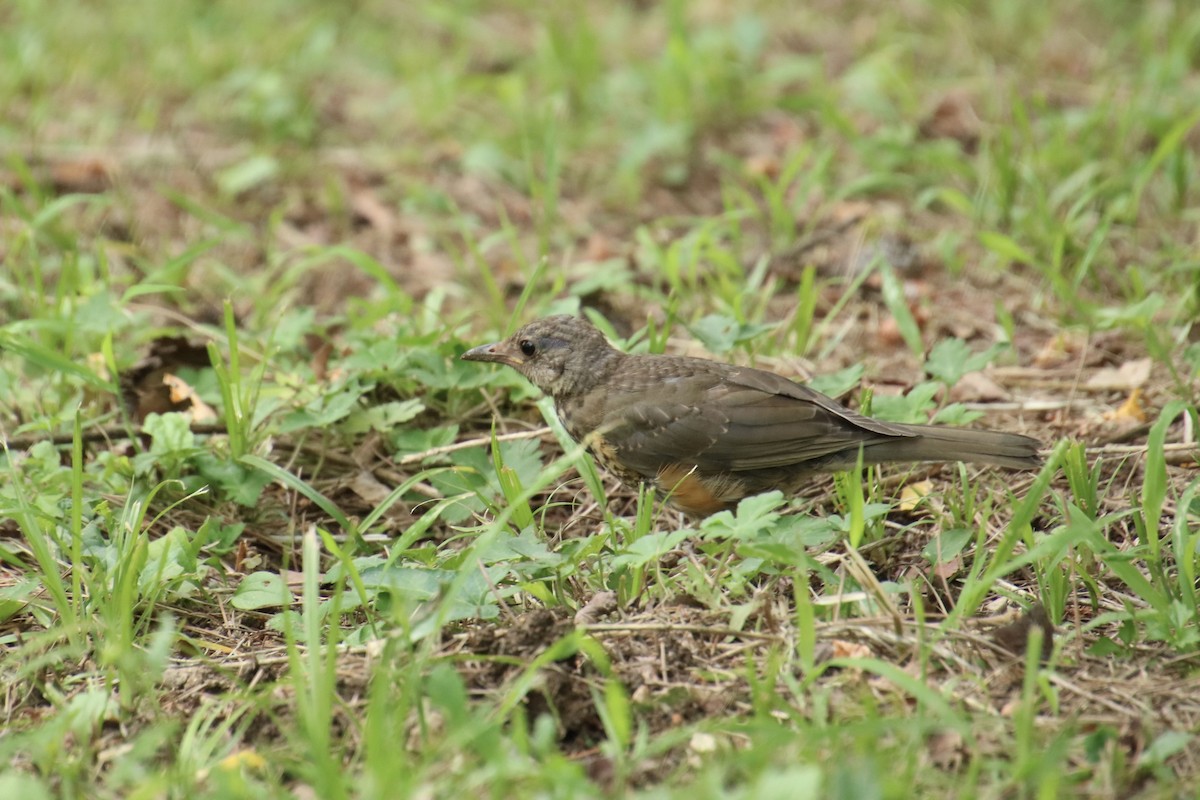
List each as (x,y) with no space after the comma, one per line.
(728,419)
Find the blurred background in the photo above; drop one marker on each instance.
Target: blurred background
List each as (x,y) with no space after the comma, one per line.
(646,156)
(288,219)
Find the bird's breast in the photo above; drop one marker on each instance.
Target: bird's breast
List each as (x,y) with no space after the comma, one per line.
(583,417)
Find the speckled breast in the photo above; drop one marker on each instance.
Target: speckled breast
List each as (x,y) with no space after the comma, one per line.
(602,450)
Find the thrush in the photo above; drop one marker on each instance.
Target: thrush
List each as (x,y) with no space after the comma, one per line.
(708,434)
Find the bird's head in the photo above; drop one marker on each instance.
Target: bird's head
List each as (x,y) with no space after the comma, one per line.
(561,355)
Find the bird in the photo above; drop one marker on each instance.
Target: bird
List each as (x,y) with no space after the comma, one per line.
(707,434)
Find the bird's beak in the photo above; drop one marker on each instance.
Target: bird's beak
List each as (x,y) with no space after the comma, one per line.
(496,352)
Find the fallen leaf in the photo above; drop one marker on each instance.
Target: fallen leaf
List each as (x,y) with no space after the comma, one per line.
(1131,411)
(243,758)
(321,348)
(949,568)
(1014,637)
(599,248)
(183,397)
(81,176)
(294,579)
(946,749)
(1057,350)
(145,389)
(1130,375)
(369,489)
(762,166)
(601,604)
(372,210)
(849,212)
(844,649)
(977,387)
(888,332)
(953,118)
(912,494)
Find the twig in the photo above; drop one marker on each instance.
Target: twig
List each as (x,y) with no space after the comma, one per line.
(1125,435)
(1176,453)
(630,627)
(416,458)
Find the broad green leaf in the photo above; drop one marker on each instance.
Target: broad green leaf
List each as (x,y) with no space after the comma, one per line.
(261,590)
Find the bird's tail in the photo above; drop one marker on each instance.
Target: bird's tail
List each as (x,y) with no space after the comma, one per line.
(939,443)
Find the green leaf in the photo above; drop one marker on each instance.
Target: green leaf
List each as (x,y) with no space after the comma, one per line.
(325,409)
(617,716)
(1140,314)
(170,434)
(836,384)
(527,546)
(244,175)
(1164,746)
(27,787)
(524,457)
(52,361)
(383,417)
(650,547)
(720,333)
(956,414)
(219,536)
(912,407)
(1006,248)
(755,515)
(13,598)
(411,440)
(950,359)
(947,545)
(261,590)
(893,297)
(237,482)
(790,538)
(1105,647)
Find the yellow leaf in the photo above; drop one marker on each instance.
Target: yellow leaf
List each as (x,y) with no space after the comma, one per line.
(912,494)
(1131,410)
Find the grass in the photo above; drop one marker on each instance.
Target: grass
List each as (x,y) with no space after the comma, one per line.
(359,567)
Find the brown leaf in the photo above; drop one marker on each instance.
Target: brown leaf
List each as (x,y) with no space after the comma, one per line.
(1014,637)
(372,210)
(83,175)
(949,568)
(151,387)
(849,212)
(762,166)
(369,489)
(946,749)
(844,649)
(1057,350)
(1130,375)
(953,118)
(599,248)
(601,604)
(976,387)
(294,579)
(888,332)
(321,347)
(183,397)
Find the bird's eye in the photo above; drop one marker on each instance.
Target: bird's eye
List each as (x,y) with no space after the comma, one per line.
(528,347)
